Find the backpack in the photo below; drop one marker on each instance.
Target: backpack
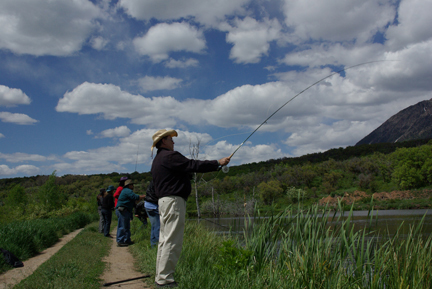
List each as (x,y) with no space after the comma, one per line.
(140,210)
(11,259)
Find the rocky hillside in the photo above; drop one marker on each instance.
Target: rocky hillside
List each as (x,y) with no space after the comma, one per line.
(413,122)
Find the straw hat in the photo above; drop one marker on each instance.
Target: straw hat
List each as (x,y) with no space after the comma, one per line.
(160,134)
(128,182)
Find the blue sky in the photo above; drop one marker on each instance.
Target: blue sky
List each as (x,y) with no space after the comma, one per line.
(85,84)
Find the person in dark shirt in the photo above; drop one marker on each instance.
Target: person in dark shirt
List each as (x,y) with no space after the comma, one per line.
(107,208)
(99,199)
(171,178)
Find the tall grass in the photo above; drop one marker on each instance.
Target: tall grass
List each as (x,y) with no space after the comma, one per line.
(27,238)
(323,252)
(78,264)
(295,249)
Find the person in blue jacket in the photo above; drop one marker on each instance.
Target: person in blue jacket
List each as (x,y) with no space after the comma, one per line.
(125,205)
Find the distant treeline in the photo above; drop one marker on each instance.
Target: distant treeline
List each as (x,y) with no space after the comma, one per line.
(337,172)
(274,183)
(337,154)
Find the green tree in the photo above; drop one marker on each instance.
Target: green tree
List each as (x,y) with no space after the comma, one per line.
(427,170)
(50,194)
(412,166)
(17,197)
(269,191)
(332,178)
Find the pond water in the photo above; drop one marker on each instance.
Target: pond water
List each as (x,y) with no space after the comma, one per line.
(384,221)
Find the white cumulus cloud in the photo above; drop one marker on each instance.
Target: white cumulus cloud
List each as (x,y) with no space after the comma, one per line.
(27,170)
(17,118)
(151,83)
(121,131)
(12,96)
(24,157)
(98,43)
(46,27)
(164,38)
(414,22)
(251,39)
(172,63)
(204,11)
(338,20)
(110,101)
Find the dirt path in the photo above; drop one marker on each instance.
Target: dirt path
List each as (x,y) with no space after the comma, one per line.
(120,266)
(14,276)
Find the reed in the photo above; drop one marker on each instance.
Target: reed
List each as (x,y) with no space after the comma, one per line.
(304,249)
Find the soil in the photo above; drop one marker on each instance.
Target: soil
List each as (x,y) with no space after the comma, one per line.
(120,266)
(14,276)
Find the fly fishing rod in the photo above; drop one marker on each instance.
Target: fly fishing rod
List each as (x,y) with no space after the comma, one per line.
(225,169)
(127,280)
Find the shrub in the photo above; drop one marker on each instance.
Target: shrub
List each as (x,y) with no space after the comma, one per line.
(269,191)
(232,258)
(296,195)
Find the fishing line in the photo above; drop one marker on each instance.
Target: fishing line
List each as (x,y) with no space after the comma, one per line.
(223,226)
(207,144)
(225,169)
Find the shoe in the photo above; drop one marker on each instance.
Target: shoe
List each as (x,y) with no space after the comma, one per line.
(122,244)
(130,243)
(109,236)
(168,285)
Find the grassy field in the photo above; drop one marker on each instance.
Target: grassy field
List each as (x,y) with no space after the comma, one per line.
(297,250)
(77,265)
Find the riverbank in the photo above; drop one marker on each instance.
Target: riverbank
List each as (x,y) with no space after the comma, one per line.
(394,200)
(298,250)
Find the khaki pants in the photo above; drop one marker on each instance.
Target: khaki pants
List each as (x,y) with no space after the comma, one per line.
(172,211)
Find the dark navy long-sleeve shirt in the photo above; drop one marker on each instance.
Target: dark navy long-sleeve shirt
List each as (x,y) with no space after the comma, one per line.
(171,173)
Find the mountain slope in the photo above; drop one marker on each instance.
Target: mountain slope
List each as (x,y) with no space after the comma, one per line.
(413,122)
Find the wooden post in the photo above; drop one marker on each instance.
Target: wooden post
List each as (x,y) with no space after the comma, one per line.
(214,205)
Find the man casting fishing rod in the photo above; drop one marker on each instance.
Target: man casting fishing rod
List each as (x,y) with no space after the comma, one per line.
(171,177)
